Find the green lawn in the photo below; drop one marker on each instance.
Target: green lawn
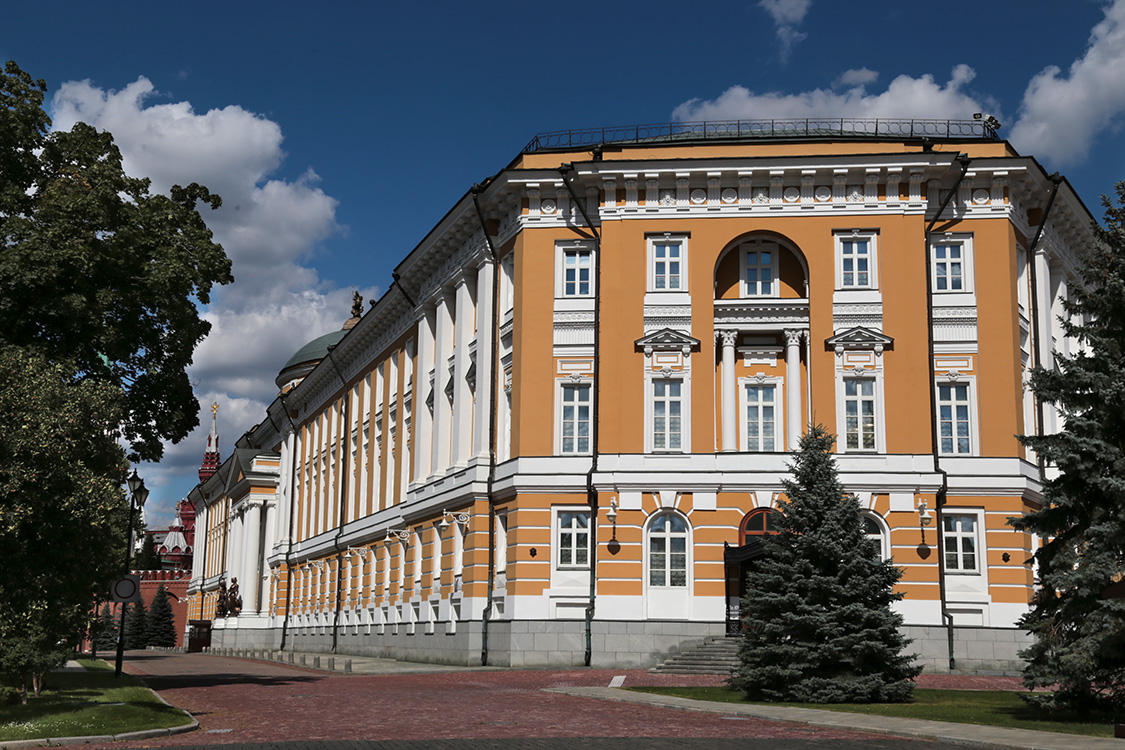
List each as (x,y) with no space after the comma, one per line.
(76,704)
(999,708)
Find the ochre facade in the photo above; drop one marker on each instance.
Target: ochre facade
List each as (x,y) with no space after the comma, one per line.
(547,442)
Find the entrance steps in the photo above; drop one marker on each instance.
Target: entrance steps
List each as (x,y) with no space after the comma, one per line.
(717,655)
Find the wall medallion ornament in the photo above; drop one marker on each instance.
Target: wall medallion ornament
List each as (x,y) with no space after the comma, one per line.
(980,196)
(823,193)
(855,193)
(761,195)
(698,196)
(729,195)
(548,206)
(667,197)
(791,194)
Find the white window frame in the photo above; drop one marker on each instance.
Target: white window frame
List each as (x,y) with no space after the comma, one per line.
(757,245)
(668,400)
(969,383)
(561,387)
(684,376)
(975,535)
(884,539)
(667,238)
(562,249)
(778,385)
(871,237)
(557,542)
(688,561)
(965,241)
(842,378)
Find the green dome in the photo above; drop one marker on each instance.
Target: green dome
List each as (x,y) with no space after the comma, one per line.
(315,350)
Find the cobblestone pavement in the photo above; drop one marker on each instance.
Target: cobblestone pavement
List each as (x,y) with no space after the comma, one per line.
(247,703)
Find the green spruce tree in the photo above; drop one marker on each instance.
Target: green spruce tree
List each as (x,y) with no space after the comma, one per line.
(161,630)
(136,626)
(106,636)
(1080,631)
(819,626)
(147,556)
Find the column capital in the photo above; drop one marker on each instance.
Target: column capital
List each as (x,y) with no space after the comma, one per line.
(728,338)
(793,336)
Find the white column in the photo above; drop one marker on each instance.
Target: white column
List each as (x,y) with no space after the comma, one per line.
(423,417)
(443,414)
(729,391)
(252,531)
(198,563)
(462,394)
(269,525)
(793,388)
(1043,298)
(234,547)
(486,342)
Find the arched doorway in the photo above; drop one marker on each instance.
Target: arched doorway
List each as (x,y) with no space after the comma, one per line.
(754,527)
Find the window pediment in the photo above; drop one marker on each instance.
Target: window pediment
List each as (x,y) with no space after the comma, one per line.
(667,339)
(859,338)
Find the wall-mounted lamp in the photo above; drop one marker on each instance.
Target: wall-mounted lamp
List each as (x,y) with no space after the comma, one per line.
(448,519)
(402,534)
(611,514)
(357,551)
(925,517)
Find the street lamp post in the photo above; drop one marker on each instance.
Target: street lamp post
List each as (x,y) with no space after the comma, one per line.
(138,493)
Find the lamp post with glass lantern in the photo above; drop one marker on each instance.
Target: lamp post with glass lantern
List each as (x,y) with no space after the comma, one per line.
(138,493)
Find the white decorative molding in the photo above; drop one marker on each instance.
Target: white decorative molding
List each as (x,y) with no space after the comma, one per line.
(574,327)
(764,313)
(847,315)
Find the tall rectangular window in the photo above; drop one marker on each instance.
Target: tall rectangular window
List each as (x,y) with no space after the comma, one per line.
(953,419)
(666,266)
(761,408)
(855,264)
(667,407)
(859,413)
(960,542)
(574,539)
(575,419)
(759,273)
(578,266)
(949,267)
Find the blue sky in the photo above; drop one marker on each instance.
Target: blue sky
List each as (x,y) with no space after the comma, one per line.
(339,133)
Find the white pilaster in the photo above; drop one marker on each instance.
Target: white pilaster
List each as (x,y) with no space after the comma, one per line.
(443,410)
(792,388)
(252,531)
(729,391)
(462,394)
(1043,297)
(234,551)
(269,524)
(423,417)
(486,274)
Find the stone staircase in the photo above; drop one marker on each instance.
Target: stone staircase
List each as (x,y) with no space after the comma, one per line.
(717,655)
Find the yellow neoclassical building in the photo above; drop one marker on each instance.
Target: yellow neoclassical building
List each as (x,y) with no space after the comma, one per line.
(560,434)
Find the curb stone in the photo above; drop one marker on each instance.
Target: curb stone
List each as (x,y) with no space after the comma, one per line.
(977,735)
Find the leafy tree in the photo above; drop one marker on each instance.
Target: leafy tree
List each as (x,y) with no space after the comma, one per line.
(818,621)
(161,629)
(28,655)
(1079,632)
(98,271)
(106,636)
(136,626)
(63,514)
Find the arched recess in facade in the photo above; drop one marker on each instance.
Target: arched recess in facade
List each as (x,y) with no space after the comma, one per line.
(761,314)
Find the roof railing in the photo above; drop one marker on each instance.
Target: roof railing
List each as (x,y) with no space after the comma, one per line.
(813,128)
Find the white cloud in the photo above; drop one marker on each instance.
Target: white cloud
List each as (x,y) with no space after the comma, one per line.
(787,15)
(857,77)
(905,97)
(1062,115)
(269,227)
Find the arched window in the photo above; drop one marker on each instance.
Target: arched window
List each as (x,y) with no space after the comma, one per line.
(874,530)
(758,523)
(667,551)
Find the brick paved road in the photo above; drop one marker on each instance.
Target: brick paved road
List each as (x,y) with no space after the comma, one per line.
(273,706)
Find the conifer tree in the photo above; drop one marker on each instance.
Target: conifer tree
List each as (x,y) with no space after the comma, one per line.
(161,630)
(136,626)
(1079,630)
(818,621)
(106,636)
